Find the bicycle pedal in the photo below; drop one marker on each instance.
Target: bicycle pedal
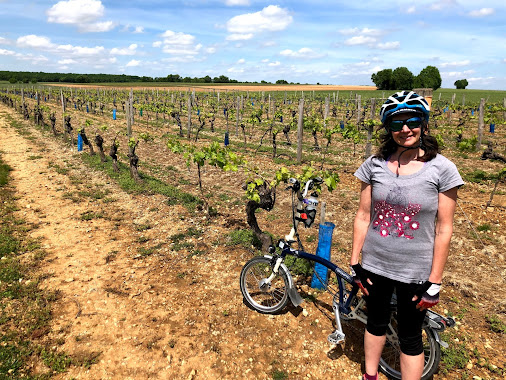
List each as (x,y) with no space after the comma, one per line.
(336,337)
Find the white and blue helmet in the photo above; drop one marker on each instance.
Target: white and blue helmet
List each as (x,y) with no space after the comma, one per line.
(404,102)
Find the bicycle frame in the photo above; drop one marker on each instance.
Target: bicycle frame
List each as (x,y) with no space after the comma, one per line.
(344,305)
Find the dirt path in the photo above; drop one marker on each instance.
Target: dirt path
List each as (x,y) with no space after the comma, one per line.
(160,316)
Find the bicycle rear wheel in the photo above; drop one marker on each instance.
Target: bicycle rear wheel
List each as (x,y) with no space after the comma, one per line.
(262,296)
(390,358)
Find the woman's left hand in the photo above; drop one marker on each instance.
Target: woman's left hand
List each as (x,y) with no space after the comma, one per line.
(428,294)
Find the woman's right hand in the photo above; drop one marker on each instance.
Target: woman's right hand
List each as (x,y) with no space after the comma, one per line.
(360,278)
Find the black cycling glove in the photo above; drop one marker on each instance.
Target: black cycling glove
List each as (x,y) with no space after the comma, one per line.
(360,277)
(427,294)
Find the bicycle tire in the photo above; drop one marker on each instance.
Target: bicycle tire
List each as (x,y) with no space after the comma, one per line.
(390,358)
(264,298)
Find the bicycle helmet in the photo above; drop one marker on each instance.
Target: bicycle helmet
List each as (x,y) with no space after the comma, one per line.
(404,102)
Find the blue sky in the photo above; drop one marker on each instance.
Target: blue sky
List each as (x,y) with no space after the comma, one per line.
(327,42)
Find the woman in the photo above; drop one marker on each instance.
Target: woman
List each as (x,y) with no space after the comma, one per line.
(404,246)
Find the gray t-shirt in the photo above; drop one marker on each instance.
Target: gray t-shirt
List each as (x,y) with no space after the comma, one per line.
(400,239)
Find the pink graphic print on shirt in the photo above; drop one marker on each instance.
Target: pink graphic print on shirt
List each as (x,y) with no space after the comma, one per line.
(396,216)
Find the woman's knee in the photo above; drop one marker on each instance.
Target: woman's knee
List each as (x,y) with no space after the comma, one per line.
(411,345)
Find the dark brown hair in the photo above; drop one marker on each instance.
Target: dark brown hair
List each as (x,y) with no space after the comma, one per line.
(388,146)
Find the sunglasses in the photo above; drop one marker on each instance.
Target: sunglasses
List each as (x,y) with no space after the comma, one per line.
(397,125)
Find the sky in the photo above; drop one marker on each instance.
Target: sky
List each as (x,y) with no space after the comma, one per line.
(320,41)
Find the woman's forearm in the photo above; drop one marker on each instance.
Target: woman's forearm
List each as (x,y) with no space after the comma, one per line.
(360,227)
(441,249)
(361,223)
(444,230)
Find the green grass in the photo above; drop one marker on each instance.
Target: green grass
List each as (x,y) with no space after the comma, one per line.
(483,227)
(478,176)
(4,173)
(244,238)
(456,356)
(179,241)
(496,325)
(149,184)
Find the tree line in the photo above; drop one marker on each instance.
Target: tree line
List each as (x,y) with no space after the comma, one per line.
(35,77)
(402,78)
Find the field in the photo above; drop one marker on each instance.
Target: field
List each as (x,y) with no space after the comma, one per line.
(145,274)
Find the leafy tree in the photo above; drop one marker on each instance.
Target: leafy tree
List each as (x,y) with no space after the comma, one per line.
(461,84)
(281,81)
(429,77)
(221,79)
(13,80)
(174,78)
(383,79)
(82,79)
(402,79)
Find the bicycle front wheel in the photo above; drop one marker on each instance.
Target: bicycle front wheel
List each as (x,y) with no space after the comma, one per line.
(264,296)
(390,359)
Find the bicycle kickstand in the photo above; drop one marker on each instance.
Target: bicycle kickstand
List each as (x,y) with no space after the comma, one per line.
(337,336)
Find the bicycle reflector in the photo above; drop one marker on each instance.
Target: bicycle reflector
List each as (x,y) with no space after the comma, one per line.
(306,216)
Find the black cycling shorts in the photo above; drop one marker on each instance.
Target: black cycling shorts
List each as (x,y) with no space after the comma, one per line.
(409,318)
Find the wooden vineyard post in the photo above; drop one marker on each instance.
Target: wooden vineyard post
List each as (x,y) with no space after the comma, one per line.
(480,123)
(326,114)
(370,127)
(504,112)
(269,109)
(62,110)
(237,118)
(189,115)
(359,109)
(128,119)
(299,130)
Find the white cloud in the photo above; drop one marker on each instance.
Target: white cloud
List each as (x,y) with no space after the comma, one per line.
(34,60)
(239,37)
(33,41)
(389,45)
(482,12)
(273,64)
(138,29)
(67,61)
(210,50)
(157,43)
(241,61)
(439,5)
(131,50)
(70,54)
(6,52)
(133,63)
(455,64)
(170,37)
(4,41)
(358,31)
(82,13)
(181,45)
(457,74)
(235,70)
(270,19)
(97,27)
(411,10)
(306,53)
(80,51)
(360,40)
(232,3)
